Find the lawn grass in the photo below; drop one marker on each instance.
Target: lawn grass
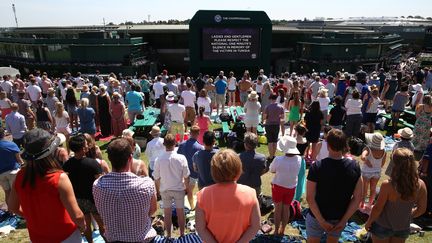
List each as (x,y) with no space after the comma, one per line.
(21,234)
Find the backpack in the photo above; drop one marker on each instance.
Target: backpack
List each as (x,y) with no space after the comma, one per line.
(240,129)
(225,117)
(295,211)
(266,204)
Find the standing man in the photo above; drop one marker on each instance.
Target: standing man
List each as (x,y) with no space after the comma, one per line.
(126,220)
(254,163)
(9,164)
(145,88)
(34,92)
(24,108)
(172,86)
(221,87)
(188,149)
(202,160)
(273,119)
(82,172)
(135,103)
(6,85)
(189,100)
(334,191)
(16,125)
(199,84)
(178,116)
(158,91)
(244,85)
(171,174)
(154,148)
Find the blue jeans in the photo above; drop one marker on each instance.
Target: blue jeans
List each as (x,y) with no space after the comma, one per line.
(314,229)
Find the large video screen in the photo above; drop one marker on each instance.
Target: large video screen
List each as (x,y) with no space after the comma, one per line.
(230,43)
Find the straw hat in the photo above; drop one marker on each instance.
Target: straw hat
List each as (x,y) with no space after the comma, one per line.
(406,133)
(375,140)
(155,131)
(288,145)
(253,95)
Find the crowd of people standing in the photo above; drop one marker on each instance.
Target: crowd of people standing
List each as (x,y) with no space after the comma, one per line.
(75,186)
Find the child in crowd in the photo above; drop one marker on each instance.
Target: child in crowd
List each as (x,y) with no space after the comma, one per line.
(295,110)
(204,122)
(284,183)
(324,101)
(5,105)
(371,110)
(400,100)
(337,114)
(373,157)
(321,149)
(405,135)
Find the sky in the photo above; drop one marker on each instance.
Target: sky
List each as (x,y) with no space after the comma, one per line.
(92,12)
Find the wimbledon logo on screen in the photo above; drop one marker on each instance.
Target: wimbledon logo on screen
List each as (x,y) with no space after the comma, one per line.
(218,18)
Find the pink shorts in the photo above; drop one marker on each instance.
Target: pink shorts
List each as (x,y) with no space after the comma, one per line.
(282,194)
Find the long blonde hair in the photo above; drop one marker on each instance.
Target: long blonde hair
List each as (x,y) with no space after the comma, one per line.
(404,176)
(59,109)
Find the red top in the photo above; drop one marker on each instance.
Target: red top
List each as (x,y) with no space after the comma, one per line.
(280,86)
(46,217)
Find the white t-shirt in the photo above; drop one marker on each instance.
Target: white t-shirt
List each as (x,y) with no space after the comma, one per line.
(176,111)
(61,122)
(7,86)
(188,98)
(171,168)
(204,102)
(232,83)
(154,149)
(252,108)
(331,87)
(315,87)
(4,104)
(286,169)
(324,103)
(353,107)
(158,89)
(259,87)
(34,91)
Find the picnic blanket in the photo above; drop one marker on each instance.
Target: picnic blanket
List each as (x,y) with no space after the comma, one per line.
(8,222)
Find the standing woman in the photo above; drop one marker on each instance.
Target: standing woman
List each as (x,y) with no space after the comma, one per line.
(265,95)
(422,124)
(353,115)
(104,114)
(61,119)
(43,194)
(295,110)
(252,108)
(93,103)
(212,214)
(94,152)
(401,199)
(44,119)
(211,92)
(71,107)
(204,101)
(87,115)
(117,111)
(232,87)
(204,122)
(314,120)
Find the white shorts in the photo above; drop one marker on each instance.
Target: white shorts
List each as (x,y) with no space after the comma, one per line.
(251,121)
(7,179)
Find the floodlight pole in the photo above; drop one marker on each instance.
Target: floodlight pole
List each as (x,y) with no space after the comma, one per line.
(14,11)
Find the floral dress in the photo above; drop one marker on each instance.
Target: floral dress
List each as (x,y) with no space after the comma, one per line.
(421,130)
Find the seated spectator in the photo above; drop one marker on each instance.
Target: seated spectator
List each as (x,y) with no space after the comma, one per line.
(227,211)
(201,160)
(171,174)
(126,221)
(154,148)
(401,199)
(83,171)
(253,163)
(334,191)
(286,169)
(43,194)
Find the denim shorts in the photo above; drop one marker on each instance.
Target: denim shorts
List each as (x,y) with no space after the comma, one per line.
(384,233)
(314,229)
